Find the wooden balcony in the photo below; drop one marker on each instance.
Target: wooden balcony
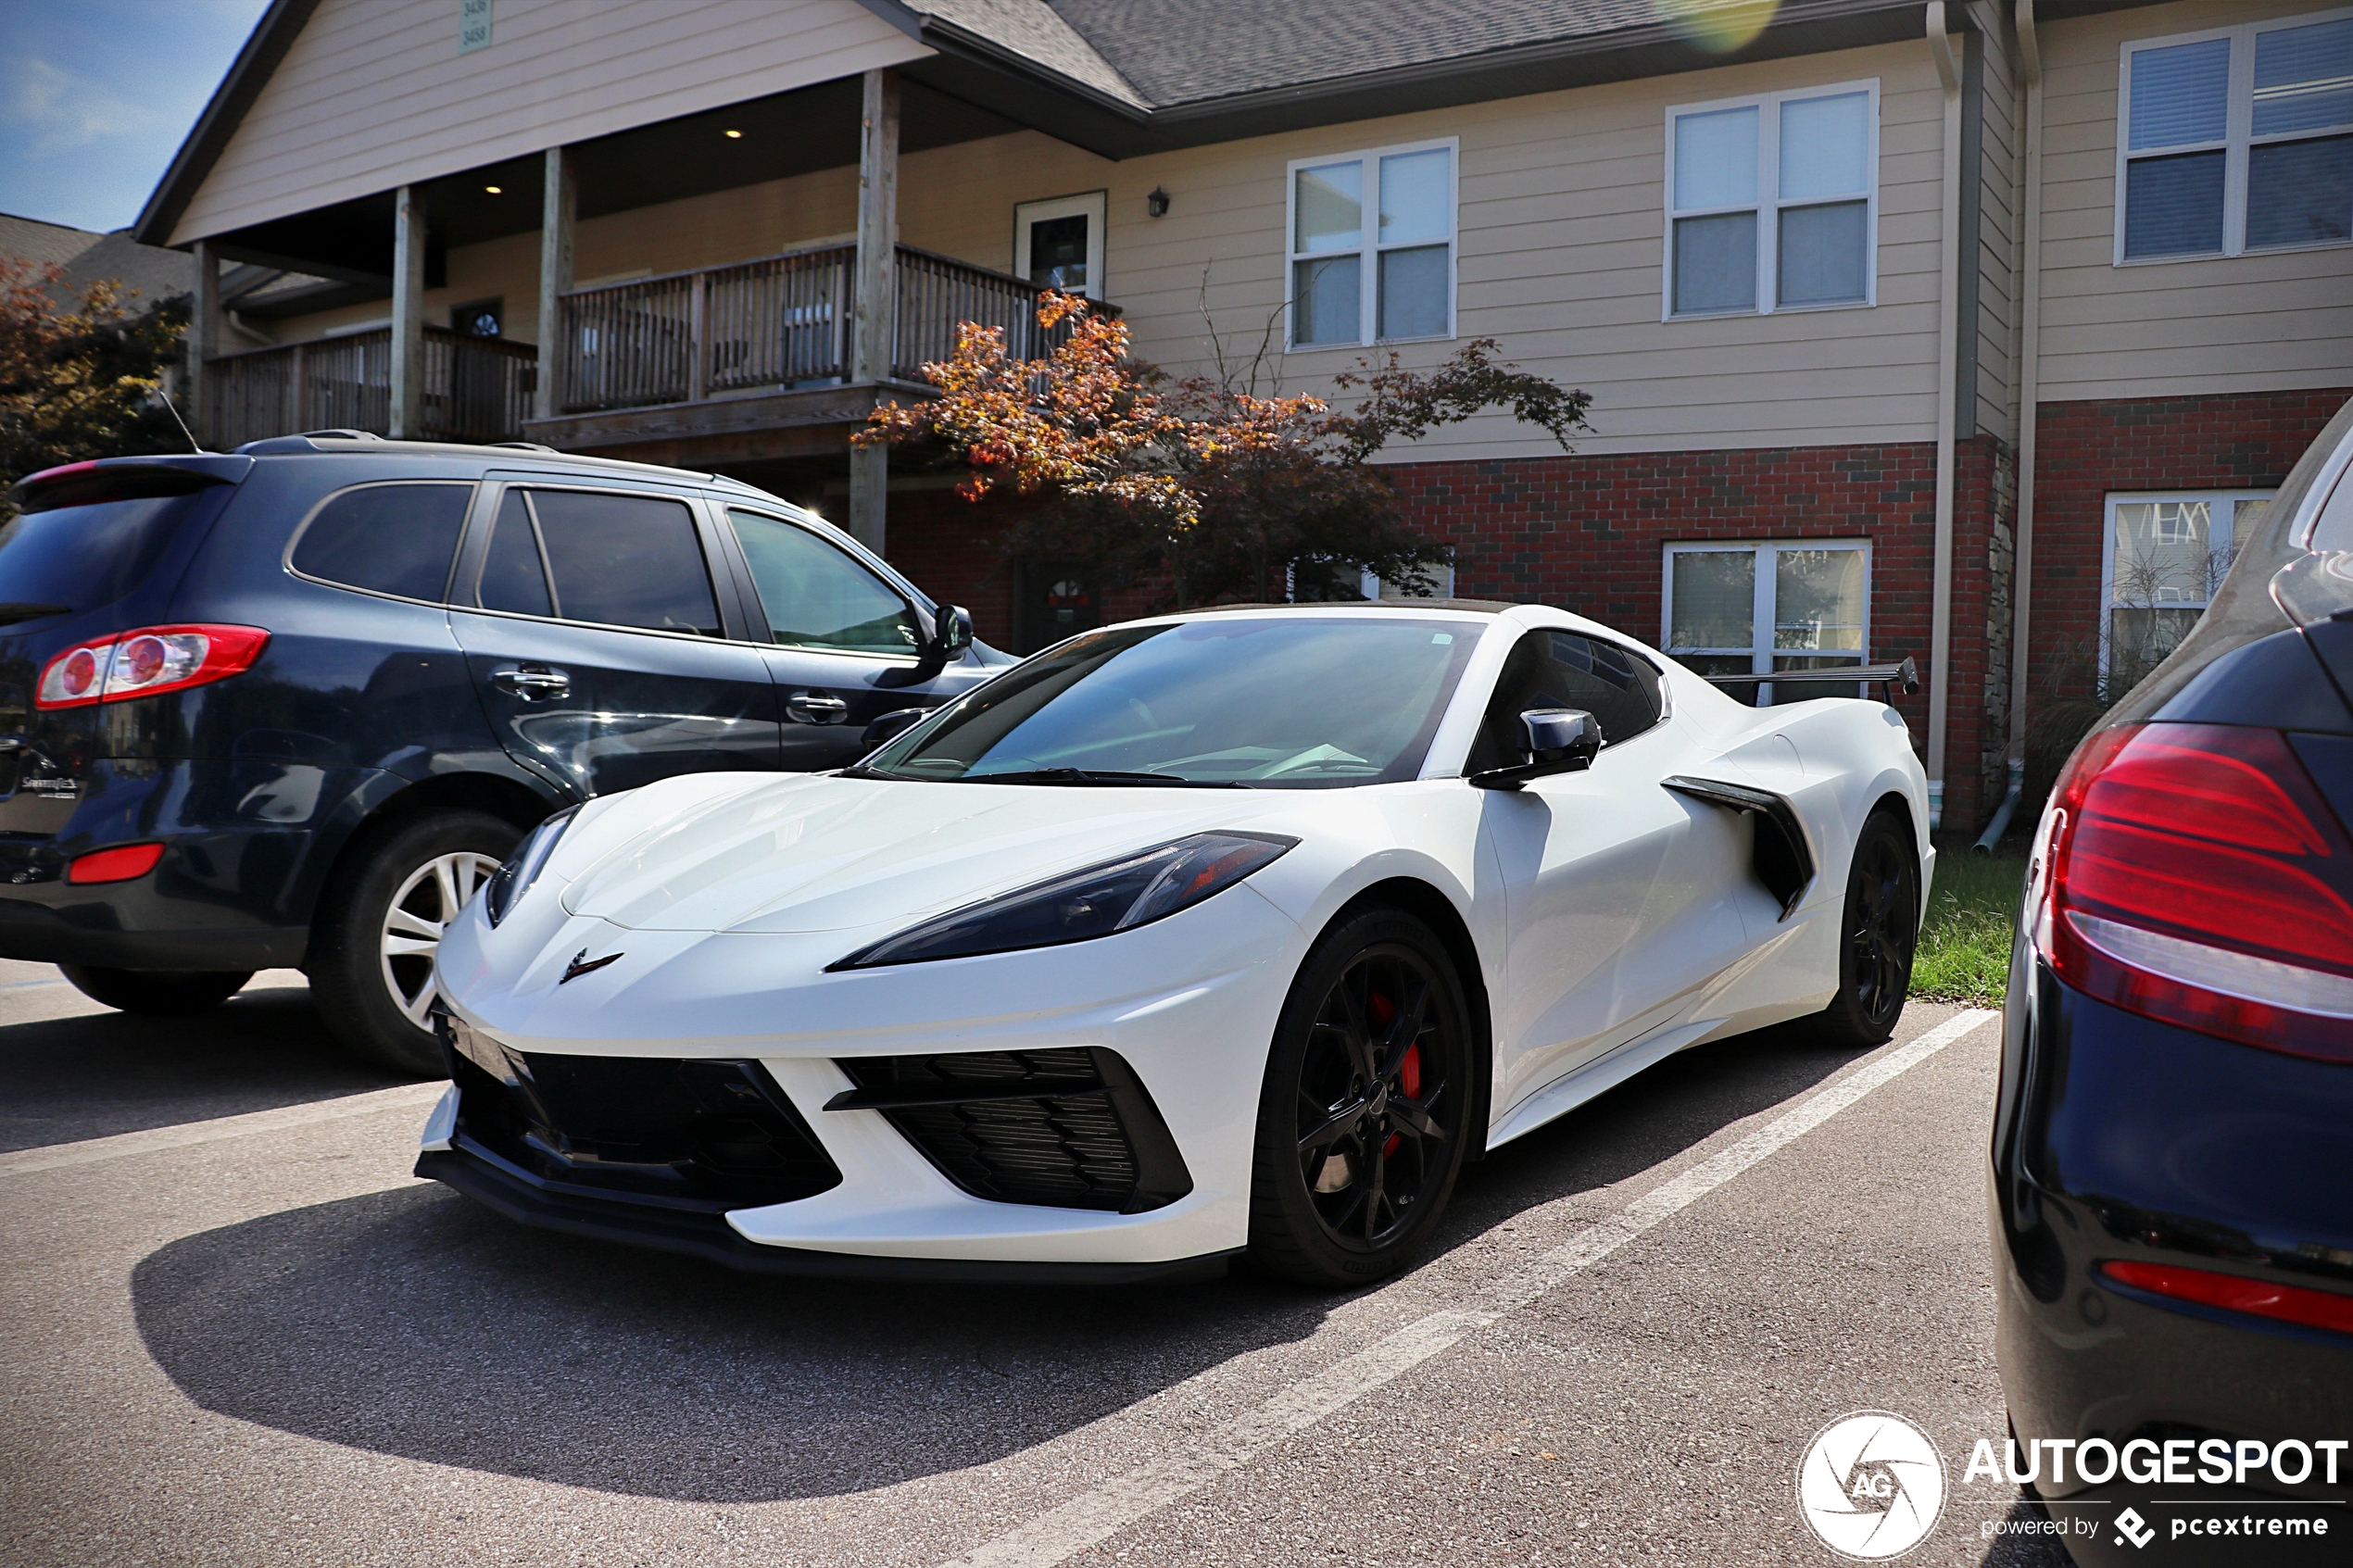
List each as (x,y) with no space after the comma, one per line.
(475,388)
(761,350)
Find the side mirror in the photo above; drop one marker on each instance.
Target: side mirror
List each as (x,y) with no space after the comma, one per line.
(891,725)
(951,632)
(1559,740)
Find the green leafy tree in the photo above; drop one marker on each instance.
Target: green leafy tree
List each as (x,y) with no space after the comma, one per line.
(82,378)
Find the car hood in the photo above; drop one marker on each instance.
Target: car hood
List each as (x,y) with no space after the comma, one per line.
(804,853)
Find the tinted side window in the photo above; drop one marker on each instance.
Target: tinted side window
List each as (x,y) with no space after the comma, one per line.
(816,597)
(622,561)
(389,538)
(512,575)
(1564,670)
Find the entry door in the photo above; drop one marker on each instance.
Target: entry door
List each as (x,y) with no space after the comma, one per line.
(1614,888)
(1058,244)
(846,643)
(594,636)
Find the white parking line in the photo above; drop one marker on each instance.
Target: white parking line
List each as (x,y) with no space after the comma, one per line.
(1098,1515)
(91,1150)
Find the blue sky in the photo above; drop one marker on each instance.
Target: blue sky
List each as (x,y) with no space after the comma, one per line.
(96,96)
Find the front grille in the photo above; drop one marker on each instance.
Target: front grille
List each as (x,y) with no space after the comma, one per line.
(708,1135)
(1071,1128)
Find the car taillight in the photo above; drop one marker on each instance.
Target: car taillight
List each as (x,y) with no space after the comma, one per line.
(121,863)
(2192,873)
(2237,1293)
(147,661)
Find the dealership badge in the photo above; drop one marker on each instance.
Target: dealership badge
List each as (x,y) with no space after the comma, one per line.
(1871,1486)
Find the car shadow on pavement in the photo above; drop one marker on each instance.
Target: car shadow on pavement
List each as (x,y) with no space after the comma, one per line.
(417,1324)
(1651,1118)
(414,1322)
(63,1079)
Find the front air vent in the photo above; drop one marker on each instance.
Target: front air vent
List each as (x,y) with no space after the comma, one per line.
(708,1135)
(1069,1128)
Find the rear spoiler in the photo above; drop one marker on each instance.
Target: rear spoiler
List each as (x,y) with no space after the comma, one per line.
(106,478)
(1904,676)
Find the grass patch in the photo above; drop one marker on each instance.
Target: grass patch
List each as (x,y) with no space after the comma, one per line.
(1965,943)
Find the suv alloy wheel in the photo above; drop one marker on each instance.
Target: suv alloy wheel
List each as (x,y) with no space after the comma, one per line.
(381,923)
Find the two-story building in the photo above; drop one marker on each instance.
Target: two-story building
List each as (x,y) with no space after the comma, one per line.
(1969,331)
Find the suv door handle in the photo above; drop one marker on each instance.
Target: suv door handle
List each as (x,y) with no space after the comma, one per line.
(808,707)
(531,681)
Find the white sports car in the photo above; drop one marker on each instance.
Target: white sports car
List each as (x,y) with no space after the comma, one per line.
(1236,931)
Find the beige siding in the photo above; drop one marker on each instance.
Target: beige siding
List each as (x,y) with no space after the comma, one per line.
(2261,322)
(1561,240)
(375,95)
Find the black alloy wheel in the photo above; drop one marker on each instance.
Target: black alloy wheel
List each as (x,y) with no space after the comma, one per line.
(1365,1121)
(1880,932)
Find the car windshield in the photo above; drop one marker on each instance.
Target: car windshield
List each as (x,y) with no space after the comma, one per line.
(1263,701)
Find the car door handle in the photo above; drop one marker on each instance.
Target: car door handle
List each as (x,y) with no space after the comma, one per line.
(806,708)
(532,683)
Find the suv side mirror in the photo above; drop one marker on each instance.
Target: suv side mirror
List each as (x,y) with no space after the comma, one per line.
(891,725)
(1559,740)
(951,633)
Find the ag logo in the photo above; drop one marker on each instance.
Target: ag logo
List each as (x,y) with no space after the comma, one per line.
(1871,1486)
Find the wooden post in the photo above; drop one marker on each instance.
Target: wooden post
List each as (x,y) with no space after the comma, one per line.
(559,206)
(204,341)
(877,293)
(407,314)
(698,337)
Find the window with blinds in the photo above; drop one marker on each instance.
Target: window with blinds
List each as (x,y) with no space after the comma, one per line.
(1772,202)
(1372,247)
(2164,556)
(2236,140)
(1749,608)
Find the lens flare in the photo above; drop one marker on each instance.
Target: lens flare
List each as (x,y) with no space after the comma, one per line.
(1718,26)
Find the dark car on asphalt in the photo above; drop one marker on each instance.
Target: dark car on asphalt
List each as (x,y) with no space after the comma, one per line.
(2173,1154)
(291,705)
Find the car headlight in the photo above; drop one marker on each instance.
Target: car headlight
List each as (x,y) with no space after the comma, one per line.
(522,867)
(1115,896)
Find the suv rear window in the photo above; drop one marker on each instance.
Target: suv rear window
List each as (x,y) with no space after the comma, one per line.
(58,556)
(386,538)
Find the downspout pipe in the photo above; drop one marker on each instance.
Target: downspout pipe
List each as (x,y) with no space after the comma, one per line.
(2029,380)
(1942,49)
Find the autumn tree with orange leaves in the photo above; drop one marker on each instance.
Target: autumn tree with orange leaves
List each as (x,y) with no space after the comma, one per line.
(1200,488)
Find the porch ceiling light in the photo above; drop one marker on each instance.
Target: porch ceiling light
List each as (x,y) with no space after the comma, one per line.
(733,135)
(495,190)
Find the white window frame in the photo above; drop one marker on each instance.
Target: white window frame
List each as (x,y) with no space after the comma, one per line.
(1438,579)
(1089,204)
(1768,203)
(1369,248)
(2222,539)
(2238,137)
(1760,650)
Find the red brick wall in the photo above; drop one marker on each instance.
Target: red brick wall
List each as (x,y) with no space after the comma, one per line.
(1588,534)
(2244,441)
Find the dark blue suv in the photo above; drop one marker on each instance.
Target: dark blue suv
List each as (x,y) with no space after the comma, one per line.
(290,705)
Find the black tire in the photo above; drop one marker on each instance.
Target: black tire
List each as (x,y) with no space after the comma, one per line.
(1879,931)
(157,993)
(376,1003)
(1376,1110)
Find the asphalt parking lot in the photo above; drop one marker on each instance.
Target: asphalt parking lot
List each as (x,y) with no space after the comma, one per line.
(258,1340)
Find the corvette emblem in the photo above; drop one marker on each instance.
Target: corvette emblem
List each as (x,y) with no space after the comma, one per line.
(582,964)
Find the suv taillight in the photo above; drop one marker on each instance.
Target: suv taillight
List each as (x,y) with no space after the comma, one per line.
(145,662)
(2192,873)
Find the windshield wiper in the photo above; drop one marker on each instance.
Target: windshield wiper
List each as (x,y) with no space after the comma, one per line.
(12,613)
(1098,776)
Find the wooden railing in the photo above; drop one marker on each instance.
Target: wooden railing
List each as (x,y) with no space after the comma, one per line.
(475,388)
(771,325)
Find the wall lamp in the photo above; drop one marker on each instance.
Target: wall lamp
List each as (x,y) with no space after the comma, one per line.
(1157,203)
